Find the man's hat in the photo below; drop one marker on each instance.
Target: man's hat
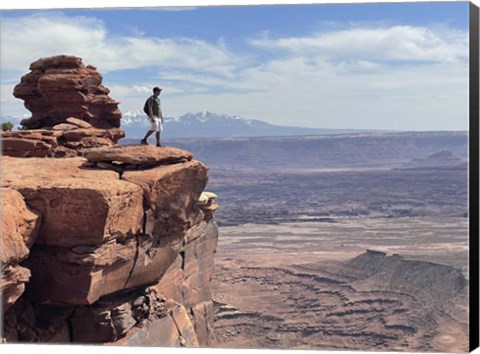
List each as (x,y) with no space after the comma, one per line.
(157,89)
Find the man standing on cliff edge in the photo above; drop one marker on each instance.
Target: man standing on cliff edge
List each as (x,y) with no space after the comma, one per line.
(154,112)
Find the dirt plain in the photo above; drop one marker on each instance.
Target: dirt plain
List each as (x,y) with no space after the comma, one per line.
(293,271)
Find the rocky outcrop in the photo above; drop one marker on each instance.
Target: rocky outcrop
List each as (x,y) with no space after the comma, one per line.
(56,142)
(60,87)
(119,158)
(71,111)
(439,160)
(431,282)
(124,251)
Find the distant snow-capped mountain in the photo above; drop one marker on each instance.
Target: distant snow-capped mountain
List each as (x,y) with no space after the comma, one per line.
(208,124)
(139,117)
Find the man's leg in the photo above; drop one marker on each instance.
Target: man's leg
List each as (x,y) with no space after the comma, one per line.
(150,132)
(157,136)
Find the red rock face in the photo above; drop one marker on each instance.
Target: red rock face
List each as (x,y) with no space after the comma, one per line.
(124,251)
(20,227)
(185,280)
(174,329)
(61,87)
(92,231)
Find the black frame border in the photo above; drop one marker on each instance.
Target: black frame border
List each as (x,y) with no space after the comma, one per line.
(474,177)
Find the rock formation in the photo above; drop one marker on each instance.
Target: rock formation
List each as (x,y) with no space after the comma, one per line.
(71,111)
(60,87)
(110,244)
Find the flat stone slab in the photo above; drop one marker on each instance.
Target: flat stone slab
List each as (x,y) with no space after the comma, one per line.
(65,126)
(144,155)
(79,123)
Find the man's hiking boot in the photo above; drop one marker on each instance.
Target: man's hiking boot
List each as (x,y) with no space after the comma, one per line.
(143,142)
(159,145)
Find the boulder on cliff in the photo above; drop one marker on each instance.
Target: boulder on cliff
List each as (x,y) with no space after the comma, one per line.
(60,87)
(71,111)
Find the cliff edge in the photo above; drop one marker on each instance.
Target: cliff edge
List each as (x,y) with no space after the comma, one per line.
(113,246)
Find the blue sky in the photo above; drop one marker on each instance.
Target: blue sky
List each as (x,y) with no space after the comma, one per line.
(374,66)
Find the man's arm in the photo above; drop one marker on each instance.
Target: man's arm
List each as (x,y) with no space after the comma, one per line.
(150,109)
(160,114)
(150,113)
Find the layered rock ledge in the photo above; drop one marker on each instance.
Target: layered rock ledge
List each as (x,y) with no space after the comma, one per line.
(121,248)
(57,142)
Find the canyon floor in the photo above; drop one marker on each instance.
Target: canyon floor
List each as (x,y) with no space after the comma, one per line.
(301,276)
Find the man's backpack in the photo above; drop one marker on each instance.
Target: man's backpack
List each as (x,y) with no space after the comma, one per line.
(145,106)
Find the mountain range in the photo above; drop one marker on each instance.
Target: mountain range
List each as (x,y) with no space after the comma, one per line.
(209,124)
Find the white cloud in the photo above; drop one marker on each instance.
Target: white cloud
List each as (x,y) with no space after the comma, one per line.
(25,39)
(411,43)
(52,34)
(198,79)
(397,77)
(406,99)
(133,97)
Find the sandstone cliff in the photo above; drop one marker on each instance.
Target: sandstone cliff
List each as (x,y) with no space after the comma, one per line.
(112,246)
(113,255)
